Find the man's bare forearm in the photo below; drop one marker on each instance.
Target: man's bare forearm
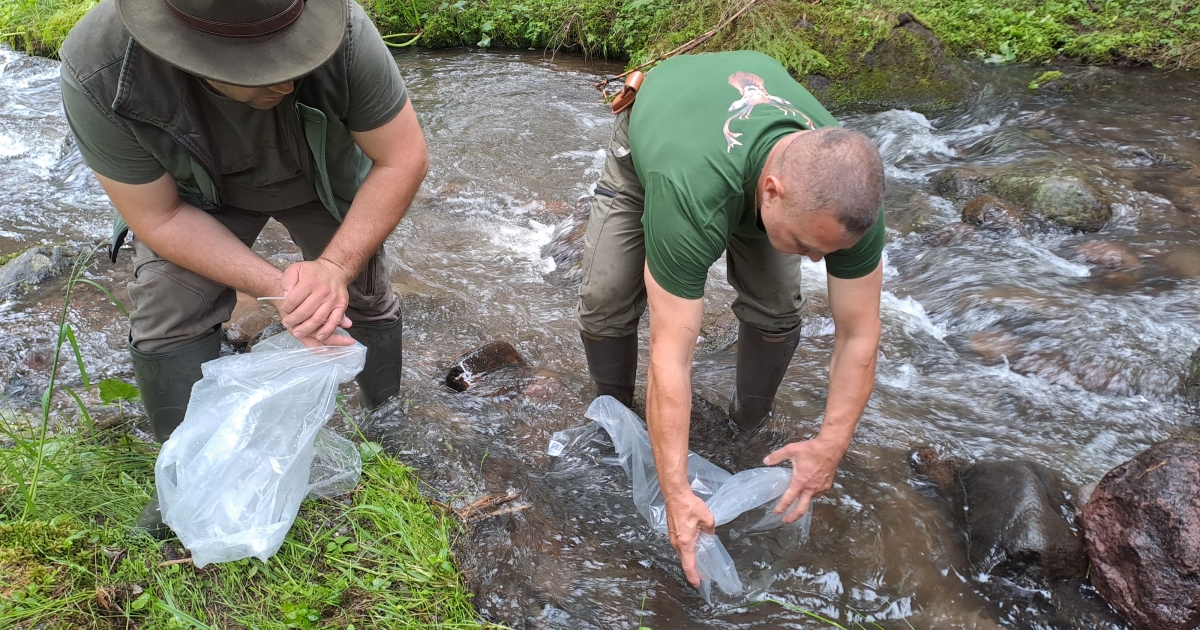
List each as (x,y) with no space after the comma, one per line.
(381,202)
(668,416)
(194,240)
(851,378)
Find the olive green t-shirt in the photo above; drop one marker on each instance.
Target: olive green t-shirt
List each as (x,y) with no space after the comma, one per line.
(259,169)
(699,135)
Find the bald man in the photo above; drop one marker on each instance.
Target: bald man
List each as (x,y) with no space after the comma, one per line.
(726,154)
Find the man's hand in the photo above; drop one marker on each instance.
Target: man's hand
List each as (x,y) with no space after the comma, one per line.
(316,301)
(687,516)
(814,463)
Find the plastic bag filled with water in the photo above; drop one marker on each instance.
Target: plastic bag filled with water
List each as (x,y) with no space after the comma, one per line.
(253,445)
(727,495)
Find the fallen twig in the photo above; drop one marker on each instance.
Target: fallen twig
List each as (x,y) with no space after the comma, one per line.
(174,562)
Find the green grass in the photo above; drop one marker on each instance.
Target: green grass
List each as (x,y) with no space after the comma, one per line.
(381,561)
(69,558)
(828,37)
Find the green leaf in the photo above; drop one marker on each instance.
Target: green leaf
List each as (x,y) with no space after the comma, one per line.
(78,357)
(112,390)
(485,42)
(487,27)
(351,548)
(141,601)
(369,450)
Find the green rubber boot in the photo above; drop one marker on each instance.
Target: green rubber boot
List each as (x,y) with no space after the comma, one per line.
(762,360)
(379,380)
(165,381)
(612,363)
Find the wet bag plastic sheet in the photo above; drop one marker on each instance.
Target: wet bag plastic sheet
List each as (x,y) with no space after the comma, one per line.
(253,445)
(727,495)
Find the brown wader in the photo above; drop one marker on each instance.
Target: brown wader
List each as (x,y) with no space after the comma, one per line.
(612,296)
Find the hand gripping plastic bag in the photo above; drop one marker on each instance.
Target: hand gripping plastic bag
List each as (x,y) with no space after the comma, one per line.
(726,495)
(253,445)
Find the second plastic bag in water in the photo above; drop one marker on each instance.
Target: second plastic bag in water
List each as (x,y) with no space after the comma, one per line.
(727,495)
(253,445)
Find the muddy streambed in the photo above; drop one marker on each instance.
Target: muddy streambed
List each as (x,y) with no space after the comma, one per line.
(1058,347)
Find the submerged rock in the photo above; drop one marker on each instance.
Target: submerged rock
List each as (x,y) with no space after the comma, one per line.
(1108,255)
(474,366)
(1142,526)
(248,328)
(718,335)
(1090,79)
(34,266)
(566,245)
(987,210)
(1039,191)
(1191,379)
(1018,516)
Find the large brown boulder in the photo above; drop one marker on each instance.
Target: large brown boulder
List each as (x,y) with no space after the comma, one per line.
(1142,527)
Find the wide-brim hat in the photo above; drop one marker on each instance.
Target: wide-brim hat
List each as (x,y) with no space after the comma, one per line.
(249,43)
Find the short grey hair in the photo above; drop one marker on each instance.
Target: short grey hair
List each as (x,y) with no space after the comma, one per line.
(835,170)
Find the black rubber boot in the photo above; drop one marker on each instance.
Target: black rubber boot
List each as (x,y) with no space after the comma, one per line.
(165,381)
(380,377)
(612,362)
(762,359)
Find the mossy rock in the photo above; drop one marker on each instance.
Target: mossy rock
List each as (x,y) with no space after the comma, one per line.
(1046,192)
(1085,81)
(909,69)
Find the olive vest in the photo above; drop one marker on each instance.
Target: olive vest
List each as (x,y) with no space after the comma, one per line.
(154,100)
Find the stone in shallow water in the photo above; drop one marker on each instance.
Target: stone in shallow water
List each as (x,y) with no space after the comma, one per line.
(1108,255)
(250,326)
(1019,516)
(1191,379)
(566,245)
(987,210)
(34,266)
(1142,526)
(1038,190)
(480,362)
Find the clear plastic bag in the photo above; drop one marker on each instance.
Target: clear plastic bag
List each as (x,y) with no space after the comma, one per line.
(253,445)
(727,495)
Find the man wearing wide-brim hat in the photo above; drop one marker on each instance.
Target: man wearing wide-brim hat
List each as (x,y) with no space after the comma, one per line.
(202,119)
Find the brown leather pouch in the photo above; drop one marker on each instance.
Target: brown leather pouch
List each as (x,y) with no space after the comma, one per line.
(624,99)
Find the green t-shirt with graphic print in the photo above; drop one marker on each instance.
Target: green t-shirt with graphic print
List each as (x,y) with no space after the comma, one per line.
(699,135)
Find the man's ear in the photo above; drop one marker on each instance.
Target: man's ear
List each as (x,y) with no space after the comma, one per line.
(772,191)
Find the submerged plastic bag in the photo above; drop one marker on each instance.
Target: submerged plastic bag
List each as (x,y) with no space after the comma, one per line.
(726,495)
(253,445)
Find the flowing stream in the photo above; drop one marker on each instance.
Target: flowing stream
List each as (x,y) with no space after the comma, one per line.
(996,345)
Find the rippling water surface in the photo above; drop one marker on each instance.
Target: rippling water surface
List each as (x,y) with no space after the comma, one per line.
(996,345)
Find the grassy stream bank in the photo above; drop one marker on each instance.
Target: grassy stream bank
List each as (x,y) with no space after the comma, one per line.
(72,481)
(821,37)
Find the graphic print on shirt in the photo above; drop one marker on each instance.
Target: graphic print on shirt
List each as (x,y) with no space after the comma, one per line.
(754,93)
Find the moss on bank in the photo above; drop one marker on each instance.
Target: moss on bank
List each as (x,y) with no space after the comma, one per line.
(828,37)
